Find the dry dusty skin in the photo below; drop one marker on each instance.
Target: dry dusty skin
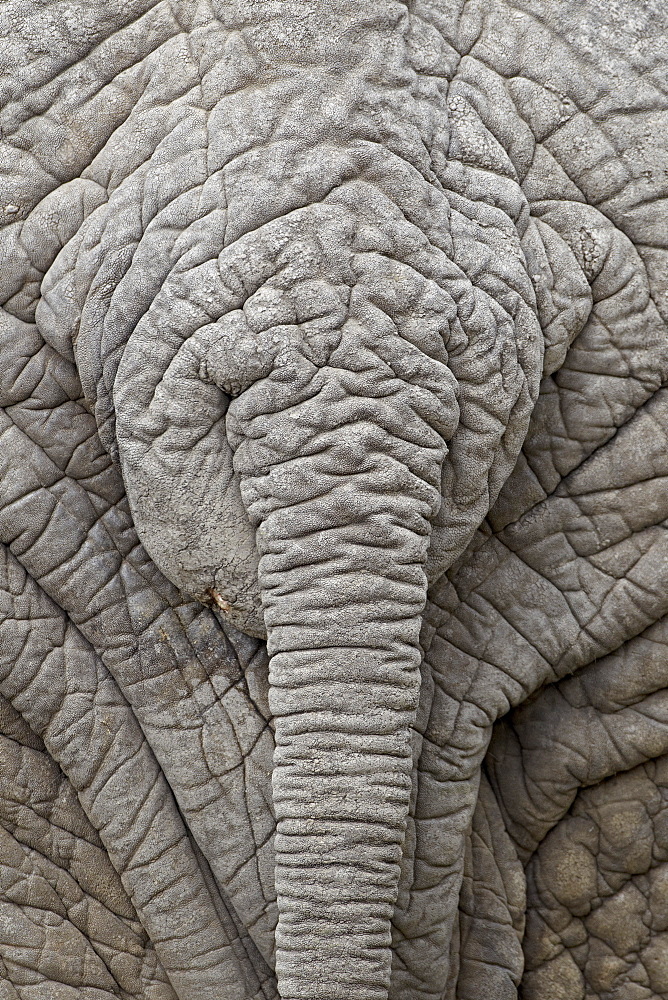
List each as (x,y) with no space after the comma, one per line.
(333,491)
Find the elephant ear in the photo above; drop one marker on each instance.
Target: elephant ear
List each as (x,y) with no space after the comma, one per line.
(585,513)
(112,669)
(64,912)
(596,917)
(101,656)
(568,573)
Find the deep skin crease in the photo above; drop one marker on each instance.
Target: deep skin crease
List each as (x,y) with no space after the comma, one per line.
(332,618)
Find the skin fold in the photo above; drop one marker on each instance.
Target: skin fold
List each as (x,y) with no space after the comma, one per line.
(334,575)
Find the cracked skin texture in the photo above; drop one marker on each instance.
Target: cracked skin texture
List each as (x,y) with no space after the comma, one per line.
(333,642)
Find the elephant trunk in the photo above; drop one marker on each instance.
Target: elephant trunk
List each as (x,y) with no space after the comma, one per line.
(344,692)
(341,483)
(334,404)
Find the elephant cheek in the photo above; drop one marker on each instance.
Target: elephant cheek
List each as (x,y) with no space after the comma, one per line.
(184,496)
(342,495)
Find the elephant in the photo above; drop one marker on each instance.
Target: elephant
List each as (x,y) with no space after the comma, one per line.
(334,460)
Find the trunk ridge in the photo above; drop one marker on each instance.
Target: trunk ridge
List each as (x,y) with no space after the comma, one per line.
(343,514)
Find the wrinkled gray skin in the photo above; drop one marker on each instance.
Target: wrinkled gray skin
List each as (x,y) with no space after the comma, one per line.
(339,325)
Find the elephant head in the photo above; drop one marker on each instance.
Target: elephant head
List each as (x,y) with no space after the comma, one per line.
(312,274)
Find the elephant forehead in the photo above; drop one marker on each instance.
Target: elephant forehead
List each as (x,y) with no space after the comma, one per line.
(363,245)
(206,277)
(245,211)
(204,156)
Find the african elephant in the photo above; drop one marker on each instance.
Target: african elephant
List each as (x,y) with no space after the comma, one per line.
(333,508)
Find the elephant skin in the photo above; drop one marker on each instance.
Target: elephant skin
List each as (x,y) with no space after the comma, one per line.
(333,659)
